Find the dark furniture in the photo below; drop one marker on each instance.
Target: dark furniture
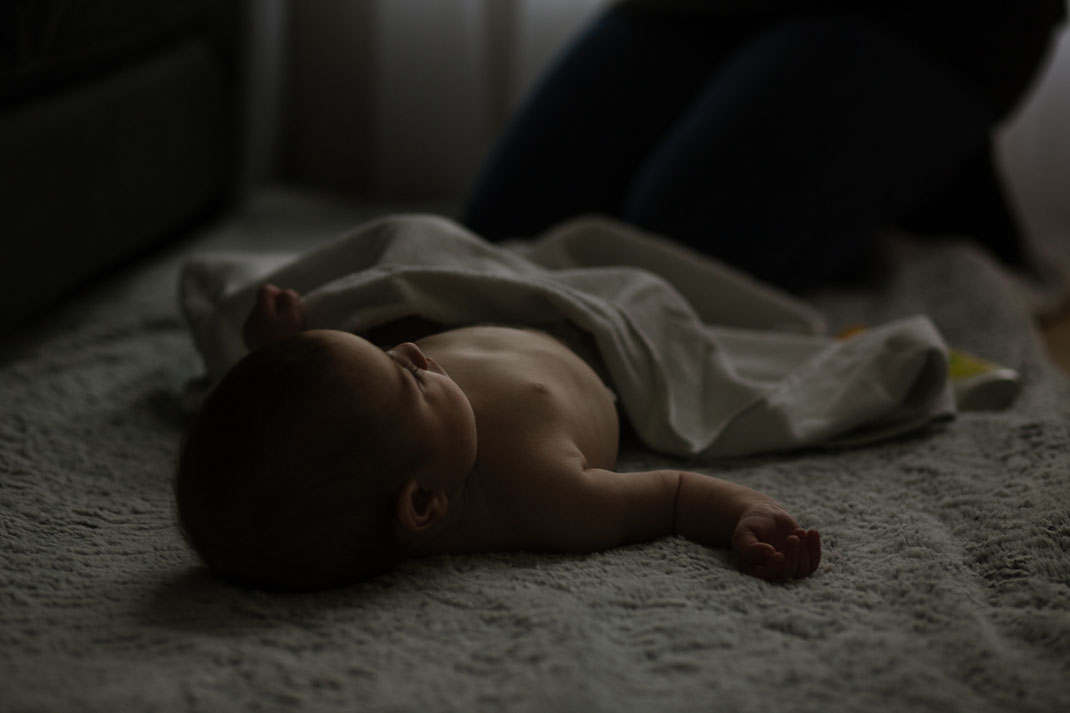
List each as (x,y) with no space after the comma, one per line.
(117,132)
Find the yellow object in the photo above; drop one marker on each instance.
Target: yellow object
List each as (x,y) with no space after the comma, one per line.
(851,331)
(978,385)
(962,366)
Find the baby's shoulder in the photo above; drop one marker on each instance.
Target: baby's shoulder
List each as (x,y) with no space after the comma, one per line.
(525,467)
(526,442)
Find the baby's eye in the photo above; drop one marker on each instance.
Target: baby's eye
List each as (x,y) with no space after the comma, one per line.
(416,371)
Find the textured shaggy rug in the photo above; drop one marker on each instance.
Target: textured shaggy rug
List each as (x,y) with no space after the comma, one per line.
(945,584)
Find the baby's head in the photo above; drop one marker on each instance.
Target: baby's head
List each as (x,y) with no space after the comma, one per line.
(320,460)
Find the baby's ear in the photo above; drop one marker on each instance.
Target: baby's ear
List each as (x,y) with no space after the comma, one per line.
(420,508)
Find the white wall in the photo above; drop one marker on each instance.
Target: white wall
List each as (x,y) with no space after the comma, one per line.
(264,78)
(430,99)
(405,97)
(330,90)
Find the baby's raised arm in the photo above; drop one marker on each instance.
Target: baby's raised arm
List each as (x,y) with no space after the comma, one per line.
(277,314)
(601,509)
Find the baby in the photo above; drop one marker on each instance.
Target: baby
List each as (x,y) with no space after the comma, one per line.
(321,459)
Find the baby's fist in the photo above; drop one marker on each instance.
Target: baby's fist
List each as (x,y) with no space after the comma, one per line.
(277,315)
(772,546)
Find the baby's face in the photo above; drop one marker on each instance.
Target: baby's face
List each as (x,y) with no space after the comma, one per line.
(430,410)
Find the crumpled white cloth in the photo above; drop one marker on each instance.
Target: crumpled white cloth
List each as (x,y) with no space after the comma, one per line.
(705,360)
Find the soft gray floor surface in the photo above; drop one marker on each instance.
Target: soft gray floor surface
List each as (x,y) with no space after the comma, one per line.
(945,584)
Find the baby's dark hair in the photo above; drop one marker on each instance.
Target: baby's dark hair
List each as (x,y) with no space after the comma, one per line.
(282,484)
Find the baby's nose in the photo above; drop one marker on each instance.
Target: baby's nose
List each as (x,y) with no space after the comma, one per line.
(412,353)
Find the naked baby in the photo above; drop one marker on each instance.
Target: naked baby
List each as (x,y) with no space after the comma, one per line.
(321,459)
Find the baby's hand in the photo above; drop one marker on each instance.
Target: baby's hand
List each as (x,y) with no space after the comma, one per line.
(772,546)
(277,315)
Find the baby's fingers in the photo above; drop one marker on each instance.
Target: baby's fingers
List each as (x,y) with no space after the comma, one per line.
(813,543)
(286,300)
(791,556)
(756,552)
(798,558)
(802,564)
(769,570)
(265,296)
(809,553)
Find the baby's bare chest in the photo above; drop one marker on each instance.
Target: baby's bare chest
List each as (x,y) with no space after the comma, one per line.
(527,388)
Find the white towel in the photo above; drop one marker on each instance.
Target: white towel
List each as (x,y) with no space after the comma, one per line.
(705,360)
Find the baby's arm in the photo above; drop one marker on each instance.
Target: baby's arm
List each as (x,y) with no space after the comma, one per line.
(769,542)
(277,314)
(604,509)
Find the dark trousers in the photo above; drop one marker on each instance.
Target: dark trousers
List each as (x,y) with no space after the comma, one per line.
(783,147)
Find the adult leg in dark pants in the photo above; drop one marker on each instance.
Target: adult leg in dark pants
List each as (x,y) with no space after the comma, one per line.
(595,117)
(784,151)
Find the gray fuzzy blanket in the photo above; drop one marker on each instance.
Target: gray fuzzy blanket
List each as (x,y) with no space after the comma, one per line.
(945,584)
